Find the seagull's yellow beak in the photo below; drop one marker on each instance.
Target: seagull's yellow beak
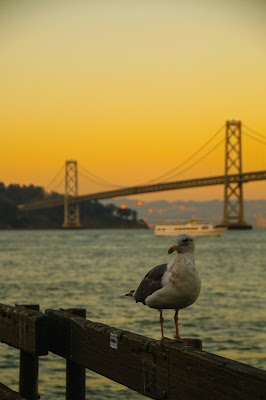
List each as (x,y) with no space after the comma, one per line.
(173,248)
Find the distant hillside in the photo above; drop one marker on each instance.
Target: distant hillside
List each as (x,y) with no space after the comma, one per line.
(211,211)
(92,213)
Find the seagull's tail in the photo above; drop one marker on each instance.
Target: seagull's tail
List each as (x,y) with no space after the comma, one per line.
(131,293)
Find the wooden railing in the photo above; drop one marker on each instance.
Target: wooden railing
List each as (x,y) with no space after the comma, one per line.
(158,371)
(25,328)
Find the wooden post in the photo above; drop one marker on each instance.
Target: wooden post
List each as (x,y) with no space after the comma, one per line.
(29,369)
(75,374)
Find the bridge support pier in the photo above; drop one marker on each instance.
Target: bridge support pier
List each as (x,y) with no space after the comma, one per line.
(71,209)
(233,192)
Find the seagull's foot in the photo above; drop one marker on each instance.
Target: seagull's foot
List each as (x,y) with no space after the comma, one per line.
(166,340)
(196,343)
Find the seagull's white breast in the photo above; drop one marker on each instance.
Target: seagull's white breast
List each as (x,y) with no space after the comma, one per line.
(180,285)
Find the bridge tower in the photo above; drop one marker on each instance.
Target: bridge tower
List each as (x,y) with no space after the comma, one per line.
(233,192)
(71,210)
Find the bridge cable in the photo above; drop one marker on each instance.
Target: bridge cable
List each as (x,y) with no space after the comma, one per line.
(59,183)
(254,138)
(55,177)
(92,179)
(201,158)
(40,197)
(96,179)
(188,159)
(253,130)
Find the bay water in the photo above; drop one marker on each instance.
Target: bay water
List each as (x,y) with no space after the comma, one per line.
(93,269)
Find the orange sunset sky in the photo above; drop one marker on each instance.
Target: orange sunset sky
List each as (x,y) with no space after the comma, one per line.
(128,88)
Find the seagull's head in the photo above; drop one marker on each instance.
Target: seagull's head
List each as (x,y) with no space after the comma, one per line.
(182,244)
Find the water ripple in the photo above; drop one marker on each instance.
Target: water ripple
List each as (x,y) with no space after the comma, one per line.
(95,268)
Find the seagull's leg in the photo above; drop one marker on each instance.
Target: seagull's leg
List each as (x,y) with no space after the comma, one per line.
(161,322)
(176,326)
(190,342)
(164,339)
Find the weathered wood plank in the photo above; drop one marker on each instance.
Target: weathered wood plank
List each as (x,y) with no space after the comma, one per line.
(88,344)
(75,374)
(7,394)
(199,375)
(24,329)
(168,371)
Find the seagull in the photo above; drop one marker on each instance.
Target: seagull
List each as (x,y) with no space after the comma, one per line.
(175,285)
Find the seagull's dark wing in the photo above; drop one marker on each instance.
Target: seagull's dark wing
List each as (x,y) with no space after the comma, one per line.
(150,283)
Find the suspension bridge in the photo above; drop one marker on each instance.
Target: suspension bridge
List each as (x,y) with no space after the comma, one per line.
(236,172)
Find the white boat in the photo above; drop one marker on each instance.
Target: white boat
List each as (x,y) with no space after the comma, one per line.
(191,227)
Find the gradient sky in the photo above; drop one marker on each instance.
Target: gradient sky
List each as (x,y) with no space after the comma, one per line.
(127,88)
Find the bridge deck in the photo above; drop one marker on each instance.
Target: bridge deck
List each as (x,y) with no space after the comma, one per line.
(156,187)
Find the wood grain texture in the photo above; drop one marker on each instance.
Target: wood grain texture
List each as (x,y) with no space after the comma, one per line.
(168,371)
(24,329)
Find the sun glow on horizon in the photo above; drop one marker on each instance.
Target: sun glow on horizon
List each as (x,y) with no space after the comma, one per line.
(128,89)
